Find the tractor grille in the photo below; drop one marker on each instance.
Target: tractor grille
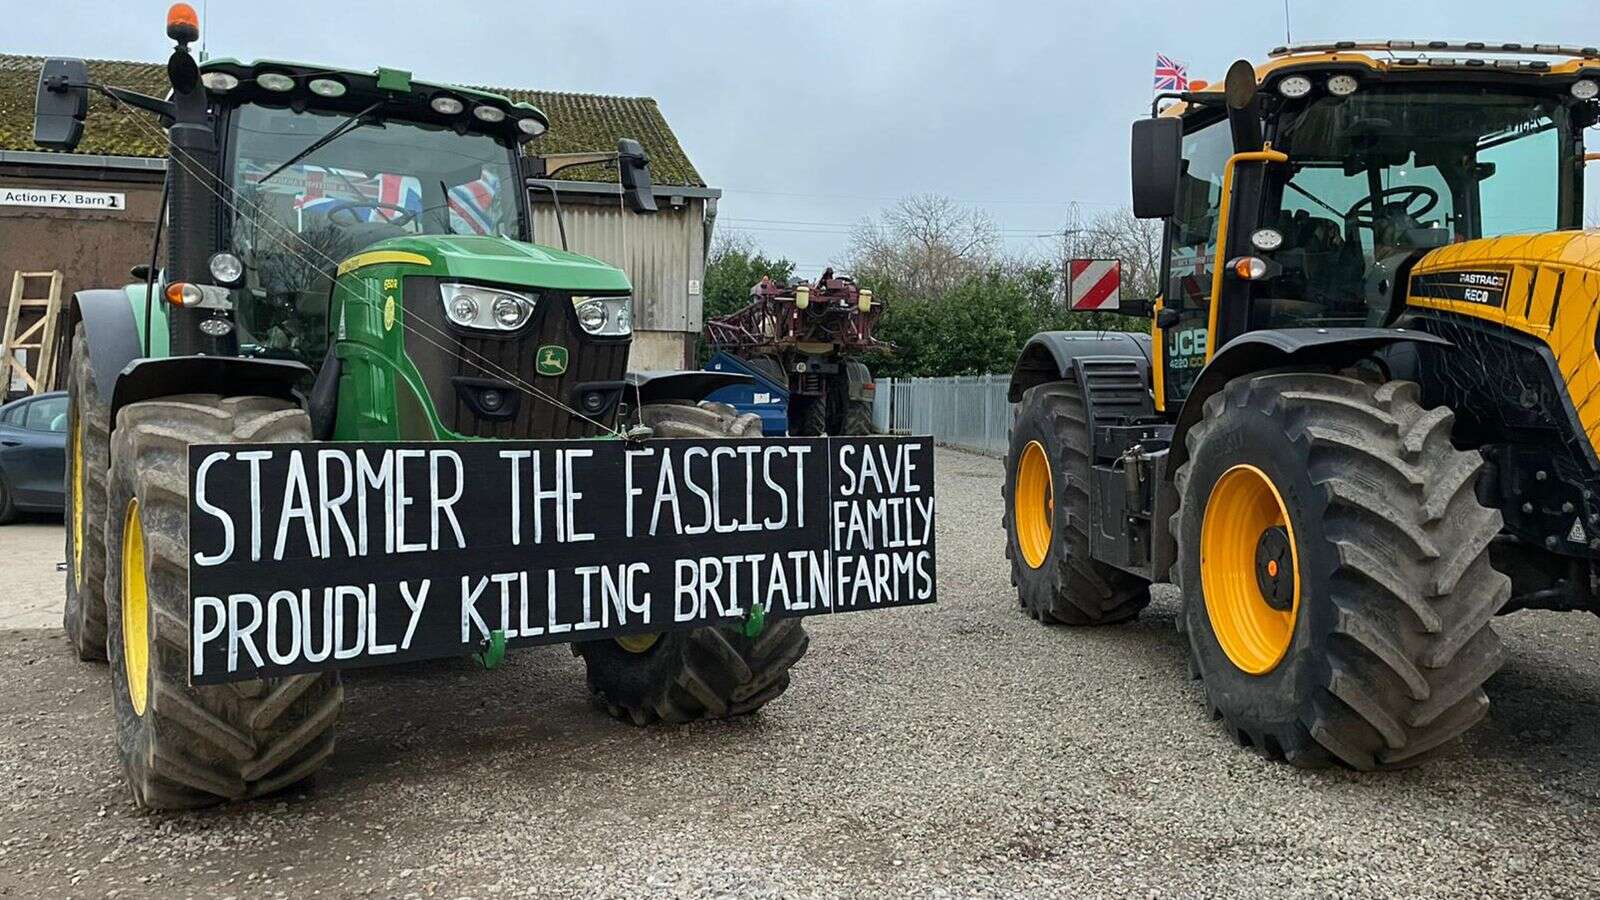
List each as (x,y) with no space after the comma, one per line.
(1115,388)
(445,355)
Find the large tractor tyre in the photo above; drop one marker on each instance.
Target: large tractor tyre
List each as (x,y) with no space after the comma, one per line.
(706,673)
(1334,562)
(183,746)
(1047,517)
(687,419)
(88,459)
(857,418)
(809,416)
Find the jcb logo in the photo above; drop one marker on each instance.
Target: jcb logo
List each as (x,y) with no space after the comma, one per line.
(1190,342)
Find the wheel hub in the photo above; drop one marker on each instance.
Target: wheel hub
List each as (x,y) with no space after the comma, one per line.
(638,643)
(77,501)
(135,611)
(1033,504)
(1275,568)
(1249,569)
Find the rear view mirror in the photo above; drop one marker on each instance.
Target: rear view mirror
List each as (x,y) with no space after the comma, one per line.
(634,167)
(1157,163)
(62,103)
(1244,113)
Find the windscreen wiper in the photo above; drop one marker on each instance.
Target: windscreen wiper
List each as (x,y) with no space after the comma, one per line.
(1306,194)
(343,128)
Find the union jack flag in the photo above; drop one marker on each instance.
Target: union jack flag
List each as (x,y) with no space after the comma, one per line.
(472,205)
(319,192)
(403,191)
(1171,75)
(311,196)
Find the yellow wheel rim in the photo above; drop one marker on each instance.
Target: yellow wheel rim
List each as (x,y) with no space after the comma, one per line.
(135,611)
(1033,504)
(77,502)
(1244,514)
(637,643)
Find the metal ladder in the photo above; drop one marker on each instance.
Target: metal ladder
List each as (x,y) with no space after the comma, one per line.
(38,337)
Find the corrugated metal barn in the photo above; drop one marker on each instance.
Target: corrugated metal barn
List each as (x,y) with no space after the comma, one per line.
(95,241)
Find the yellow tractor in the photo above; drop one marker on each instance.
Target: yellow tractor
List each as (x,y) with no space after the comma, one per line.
(1366,416)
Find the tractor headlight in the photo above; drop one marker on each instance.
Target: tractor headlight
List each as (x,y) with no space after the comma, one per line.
(1343,85)
(446,105)
(510,312)
(607,316)
(491,309)
(221,82)
(463,310)
(1295,86)
(276,82)
(226,269)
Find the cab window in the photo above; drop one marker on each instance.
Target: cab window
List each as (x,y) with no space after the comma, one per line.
(1193,245)
(1381,175)
(1520,191)
(1191,253)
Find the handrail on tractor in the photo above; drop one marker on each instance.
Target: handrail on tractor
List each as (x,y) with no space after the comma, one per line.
(1499,47)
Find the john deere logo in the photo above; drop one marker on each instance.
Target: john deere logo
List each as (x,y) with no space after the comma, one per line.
(552,360)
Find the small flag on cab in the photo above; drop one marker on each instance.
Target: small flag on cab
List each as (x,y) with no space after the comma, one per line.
(1171,75)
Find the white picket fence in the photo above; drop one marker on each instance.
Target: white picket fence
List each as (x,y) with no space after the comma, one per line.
(969,412)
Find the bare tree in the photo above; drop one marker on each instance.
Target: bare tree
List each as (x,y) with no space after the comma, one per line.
(1117,234)
(924,246)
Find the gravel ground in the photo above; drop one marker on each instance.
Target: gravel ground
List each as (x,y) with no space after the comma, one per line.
(30,586)
(954,750)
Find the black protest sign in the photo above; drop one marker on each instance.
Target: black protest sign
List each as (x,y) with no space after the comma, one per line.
(314,556)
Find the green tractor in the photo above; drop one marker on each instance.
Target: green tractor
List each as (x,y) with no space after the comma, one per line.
(347,256)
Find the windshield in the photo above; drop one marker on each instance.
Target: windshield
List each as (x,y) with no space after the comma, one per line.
(378,180)
(1377,175)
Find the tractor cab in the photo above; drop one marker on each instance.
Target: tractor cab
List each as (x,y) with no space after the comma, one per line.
(1334,171)
(319,165)
(370,227)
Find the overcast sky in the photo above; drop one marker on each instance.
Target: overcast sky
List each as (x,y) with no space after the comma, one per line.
(812,116)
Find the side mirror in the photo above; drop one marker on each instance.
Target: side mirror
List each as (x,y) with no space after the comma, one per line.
(1157,163)
(634,168)
(1244,113)
(61,105)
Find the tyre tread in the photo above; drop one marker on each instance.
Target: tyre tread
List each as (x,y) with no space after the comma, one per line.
(1083,590)
(716,672)
(197,746)
(1411,643)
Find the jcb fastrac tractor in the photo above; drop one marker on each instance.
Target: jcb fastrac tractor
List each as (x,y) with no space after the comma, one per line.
(1366,417)
(295,196)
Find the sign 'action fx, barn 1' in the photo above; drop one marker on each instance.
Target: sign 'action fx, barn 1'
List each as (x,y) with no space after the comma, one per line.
(306,557)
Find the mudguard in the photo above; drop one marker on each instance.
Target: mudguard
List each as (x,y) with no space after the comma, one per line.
(1258,351)
(230,376)
(113,334)
(122,373)
(693,385)
(1048,355)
